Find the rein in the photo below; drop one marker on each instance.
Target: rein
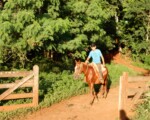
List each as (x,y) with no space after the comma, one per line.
(86,69)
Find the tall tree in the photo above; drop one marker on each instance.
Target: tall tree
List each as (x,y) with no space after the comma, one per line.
(88,19)
(15,17)
(57,26)
(135,27)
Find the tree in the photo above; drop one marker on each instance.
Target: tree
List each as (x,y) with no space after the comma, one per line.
(135,27)
(15,17)
(29,27)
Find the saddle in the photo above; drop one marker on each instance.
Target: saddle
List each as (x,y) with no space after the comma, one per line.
(96,68)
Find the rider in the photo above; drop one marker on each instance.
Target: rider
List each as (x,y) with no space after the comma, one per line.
(96,56)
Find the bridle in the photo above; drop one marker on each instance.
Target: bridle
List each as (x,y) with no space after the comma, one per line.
(80,67)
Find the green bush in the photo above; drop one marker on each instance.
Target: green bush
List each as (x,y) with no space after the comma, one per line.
(56,87)
(146,59)
(143,110)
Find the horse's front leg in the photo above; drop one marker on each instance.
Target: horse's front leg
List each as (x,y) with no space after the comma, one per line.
(92,93)
(102,91)
(105,88)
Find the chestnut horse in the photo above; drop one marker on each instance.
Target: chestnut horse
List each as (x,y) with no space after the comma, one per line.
(92,77)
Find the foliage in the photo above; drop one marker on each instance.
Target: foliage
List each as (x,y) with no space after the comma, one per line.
(143,110)
(142,65)
(67,28)
(115,71)
(55,26)
(54,88)
(52,33)
(134,28)
(145,59)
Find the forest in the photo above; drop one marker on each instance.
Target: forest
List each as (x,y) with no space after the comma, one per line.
(53,33)
(57,31)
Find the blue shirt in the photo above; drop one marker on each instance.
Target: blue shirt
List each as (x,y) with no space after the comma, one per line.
(96,55)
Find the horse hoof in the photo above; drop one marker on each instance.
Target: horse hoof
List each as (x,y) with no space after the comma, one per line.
(100,96)
(96,101)
(105,95)
(91,103)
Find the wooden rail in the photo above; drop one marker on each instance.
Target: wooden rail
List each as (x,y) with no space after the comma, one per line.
(30,79)
(124,92)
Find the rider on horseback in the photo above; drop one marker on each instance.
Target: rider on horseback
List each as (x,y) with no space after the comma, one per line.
(97,56)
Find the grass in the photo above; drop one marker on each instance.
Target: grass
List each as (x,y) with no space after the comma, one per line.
(143,110)
(116,70)
(145,66)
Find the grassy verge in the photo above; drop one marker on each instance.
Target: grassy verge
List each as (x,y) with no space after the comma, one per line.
(139,64)
(56,87)
(143,110)
(116,70)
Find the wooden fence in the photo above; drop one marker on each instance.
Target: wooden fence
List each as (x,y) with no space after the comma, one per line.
(28,79)
(130,93)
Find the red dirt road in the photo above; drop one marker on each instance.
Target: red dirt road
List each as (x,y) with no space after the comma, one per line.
(78,107)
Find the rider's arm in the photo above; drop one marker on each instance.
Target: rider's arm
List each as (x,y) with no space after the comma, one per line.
(103,61)
(87,60)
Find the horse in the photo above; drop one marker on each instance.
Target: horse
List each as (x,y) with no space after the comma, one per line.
(91,77)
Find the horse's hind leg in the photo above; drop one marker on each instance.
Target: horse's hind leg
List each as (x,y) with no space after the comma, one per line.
(105,93)
(91,103)
(94,96)
(102,90)
(105,89)
(97,97)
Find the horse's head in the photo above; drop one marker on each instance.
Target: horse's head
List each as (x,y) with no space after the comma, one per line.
(78,69)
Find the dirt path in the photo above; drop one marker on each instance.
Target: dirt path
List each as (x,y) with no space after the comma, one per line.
(78,108)
(125,61)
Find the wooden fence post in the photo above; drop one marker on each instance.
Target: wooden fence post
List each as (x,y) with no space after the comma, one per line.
(125,86)
(36,85)
(30,79)
(122,96)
